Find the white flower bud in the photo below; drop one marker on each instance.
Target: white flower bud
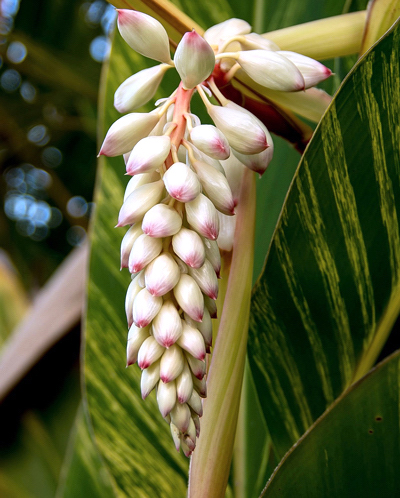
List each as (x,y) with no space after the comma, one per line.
(144,250)
(127,242)
(198,367)
(211,306)
(213,255)
(200,386)
(145,308)
(148,154)
(149,379)
(205,327)
(139,88)
(253,41)
(257,162)
(150,351)
(136,337)
(181,182)
(192,341)
(161,221)
(127,131)
(196,404)
(242,131)
(176,436)
(206,279)
(171,363)
(167,326)
(211,141)
(216,186)
(202,216)
(225,30)
(189,297)
(139,202)
(161,275)
(312,71)
(208,159)
(181,416)
(226,232)
(271,70)
(166,397)
(132,291)
(188,245)
(144,34)
(194,60)
(184,384)
(139,180)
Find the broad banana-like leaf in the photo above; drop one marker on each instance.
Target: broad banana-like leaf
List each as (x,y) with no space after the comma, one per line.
(353,449)
(329,292)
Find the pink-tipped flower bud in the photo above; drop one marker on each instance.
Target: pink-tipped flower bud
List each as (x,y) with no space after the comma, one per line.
(189,297)
(202,216)
(213,255)
(149,379)
(166,397)
(205,326)
(194,60)
(226,235)
(133,290)
(145,308)
(167,326)
(225,30)
(148,154)
(198,367)
(196,421)
(150,351)
(162,274)
(188,245)
(136,338)
(180,416)
(200,386)
(181,182)
(139,180)
(240,128)
(206,279)
(192,341)
(161,221)
(127,242)
(184,384)
(139,88)
(171,363)
(139,202)
(217,187)
(196,404)
(144,34)
(257,162)
(144,250)
(312,71)
(124,134)
(272,70)
(211,141)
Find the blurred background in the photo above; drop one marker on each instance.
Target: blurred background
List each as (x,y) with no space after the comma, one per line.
(51,53)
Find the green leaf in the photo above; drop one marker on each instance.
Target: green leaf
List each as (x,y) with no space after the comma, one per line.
(328,295)
(133,440)
(353,449)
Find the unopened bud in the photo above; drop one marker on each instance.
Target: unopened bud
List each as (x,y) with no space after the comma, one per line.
(189,297)
(171,363)
(139,202)
(180,416)
(213,255)
(136,338)
(196,404)
(226,232)
(206,279)
(194,60)
(188,245)
(184,384)
(167,326)
(132,291)
(149,352)
(145,308)
(198,367)
(127,242)
(312,71)
(192,341)
(202,216)
(144,250)
(200,386)
(181,182)
(161,221)
(225,30)
(144,34)
(161,275)
(148,154)
(139,180)
(166,397)
(149,379)
(211,141)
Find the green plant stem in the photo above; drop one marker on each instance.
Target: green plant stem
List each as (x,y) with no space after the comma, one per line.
(210,464)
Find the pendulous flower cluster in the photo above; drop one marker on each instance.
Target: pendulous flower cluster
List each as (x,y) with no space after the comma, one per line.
(182,195)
